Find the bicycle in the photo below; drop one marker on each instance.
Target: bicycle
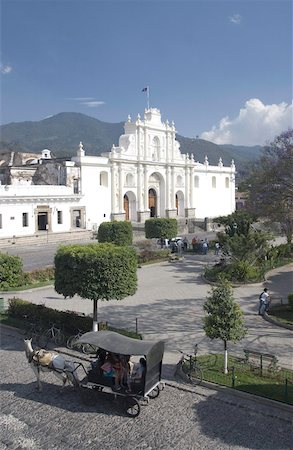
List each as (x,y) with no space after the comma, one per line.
(34,331)
(54,334)
(72,341)
(73,345)
(187,367)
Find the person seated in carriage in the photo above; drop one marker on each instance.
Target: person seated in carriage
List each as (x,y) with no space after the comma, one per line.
(113,367)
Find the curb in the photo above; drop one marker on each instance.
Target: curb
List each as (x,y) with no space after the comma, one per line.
(276,322)
(268,403)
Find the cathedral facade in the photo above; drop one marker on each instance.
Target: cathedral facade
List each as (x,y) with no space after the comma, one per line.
(145,176)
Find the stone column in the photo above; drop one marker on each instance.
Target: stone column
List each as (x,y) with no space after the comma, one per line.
(191,184)
(146,192)
(113,188)
(168,170)
(186,186)
(120,182)
(139,190)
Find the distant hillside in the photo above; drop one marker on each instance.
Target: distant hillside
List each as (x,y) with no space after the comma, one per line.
(63,132)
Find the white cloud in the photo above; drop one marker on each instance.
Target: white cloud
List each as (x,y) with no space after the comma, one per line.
(93,104)
(236,19)
(256,123)
(80,99)
(5,68)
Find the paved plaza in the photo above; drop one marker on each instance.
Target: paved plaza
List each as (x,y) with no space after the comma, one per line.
(167,305)
(181,418)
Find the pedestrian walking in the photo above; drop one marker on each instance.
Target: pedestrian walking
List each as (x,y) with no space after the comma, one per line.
(217,248)
(264,301)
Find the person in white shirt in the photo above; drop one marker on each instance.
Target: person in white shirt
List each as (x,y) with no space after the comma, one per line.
(264,301)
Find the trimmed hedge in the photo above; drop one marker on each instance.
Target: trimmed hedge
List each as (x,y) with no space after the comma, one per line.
(69,321)
(161,228)
(10,271)
(119,233)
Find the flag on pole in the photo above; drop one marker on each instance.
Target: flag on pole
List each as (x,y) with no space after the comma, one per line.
(147,90)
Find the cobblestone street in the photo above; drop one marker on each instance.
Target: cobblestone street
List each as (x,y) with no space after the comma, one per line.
(182,419)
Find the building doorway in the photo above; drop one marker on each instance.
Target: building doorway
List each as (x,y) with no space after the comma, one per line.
(153,203)
(76,216)
(42,221)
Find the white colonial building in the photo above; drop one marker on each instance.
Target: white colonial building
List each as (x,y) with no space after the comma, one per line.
(145,176)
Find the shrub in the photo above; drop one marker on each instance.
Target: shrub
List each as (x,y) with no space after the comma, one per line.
(70,321)
(10,271)
(242,271)
(161,228)
(290,300)
(119,233)
(153,255)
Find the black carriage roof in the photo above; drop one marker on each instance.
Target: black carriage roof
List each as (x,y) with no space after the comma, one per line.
(117,343)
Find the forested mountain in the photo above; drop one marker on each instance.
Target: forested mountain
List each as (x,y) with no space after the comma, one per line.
(62,133)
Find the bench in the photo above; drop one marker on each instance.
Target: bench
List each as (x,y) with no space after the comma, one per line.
(260,359)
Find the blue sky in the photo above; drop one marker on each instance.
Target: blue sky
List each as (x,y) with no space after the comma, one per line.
(220,69)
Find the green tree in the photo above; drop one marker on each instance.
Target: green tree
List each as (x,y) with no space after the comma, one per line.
(11,273)
(270,183)
(238,222)
(224,318)
(251,248)
(119,233)
(97,272)
(161,228)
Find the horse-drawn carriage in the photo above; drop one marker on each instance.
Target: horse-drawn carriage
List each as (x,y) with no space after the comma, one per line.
(136,390)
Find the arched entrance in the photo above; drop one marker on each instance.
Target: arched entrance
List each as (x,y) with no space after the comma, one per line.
(130,208)
(179,201)
(126,207)
(153,203)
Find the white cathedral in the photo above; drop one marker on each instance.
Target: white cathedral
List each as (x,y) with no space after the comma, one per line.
(145,176)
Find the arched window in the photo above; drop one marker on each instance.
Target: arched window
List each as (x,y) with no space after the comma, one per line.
(104,179)
(196,181)
(227,182)
(214,182)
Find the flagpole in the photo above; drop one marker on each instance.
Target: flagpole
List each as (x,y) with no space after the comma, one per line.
(148,96)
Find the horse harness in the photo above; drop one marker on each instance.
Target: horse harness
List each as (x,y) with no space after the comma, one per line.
(42,358)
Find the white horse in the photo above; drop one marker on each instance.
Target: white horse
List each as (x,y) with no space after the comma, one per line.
(43,361)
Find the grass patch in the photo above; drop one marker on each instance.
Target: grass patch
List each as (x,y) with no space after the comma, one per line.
(247,378)
(29,286)
(283,313)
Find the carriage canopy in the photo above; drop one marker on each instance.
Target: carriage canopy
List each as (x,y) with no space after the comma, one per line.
(123,345)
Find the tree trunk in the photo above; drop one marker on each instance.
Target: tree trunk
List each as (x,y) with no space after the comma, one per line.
(95,315)
(225,358)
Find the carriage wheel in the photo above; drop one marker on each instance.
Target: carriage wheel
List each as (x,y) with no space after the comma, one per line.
(132,407)
(154,393)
